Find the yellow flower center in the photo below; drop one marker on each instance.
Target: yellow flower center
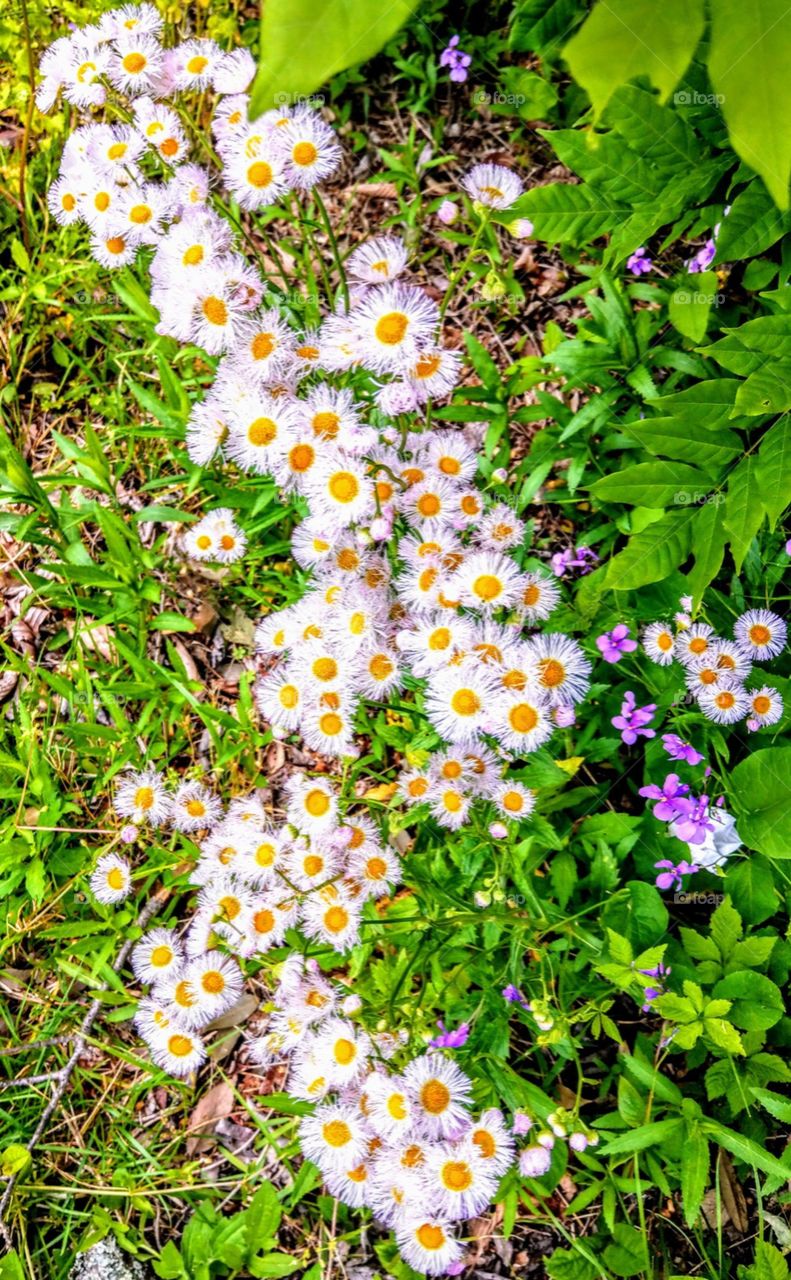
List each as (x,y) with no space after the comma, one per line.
(215,310)
(262,431)
(391,328)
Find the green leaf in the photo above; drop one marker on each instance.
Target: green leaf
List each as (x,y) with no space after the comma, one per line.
(753,344)
(773,469)
(651,1079)
(172,622)
(744,512)
(541,23)
(757,1002)
(708,546)
(762,787)
(652,484)
(768,390)
(306,42)
(694,1173)
(689,306)
(685,440)
(654,553)
(262,1217)
(627,1255)
(748,66)
(774,1103)
(745,1149)
(752,225)
(769,1263)
(751,883)
(623,39)
(648,1135)
(726,927)
(562,213)
(724,1035)
(274,1265)
(13,1159)
(571,1264)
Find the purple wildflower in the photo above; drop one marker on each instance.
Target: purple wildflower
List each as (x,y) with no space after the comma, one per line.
(581,558)
(668,808)
(522,1124)
(454,58)
(614,644)
(679,750)
(670,874)
(693,824)
(128,833)
(451,1039)
(703,259)
(639,264)
(633,720)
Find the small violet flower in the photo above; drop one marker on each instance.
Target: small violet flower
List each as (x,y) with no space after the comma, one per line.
(614,644)
(580,558)
(451,1039)
(703,258)
(670,874)
(678,750)
(633,720)
(456,59)
(639,264)
(669,807)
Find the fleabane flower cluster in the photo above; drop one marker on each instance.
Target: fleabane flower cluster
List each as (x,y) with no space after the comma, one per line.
(402,1141)
(717,670)
(416,575)
(255,880)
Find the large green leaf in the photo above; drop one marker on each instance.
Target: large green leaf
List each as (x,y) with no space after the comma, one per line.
(563,213)
(749,347)
(757,1003)
(689,306)
(768,390)
(744,512)
(708,545)
(752,225)
(623,39)
(773,469)
(653,484)
(607,162)
(750,67)
(306,42)
(694,1173)
(654,553)
(685,440)
(762,787)
(708,403)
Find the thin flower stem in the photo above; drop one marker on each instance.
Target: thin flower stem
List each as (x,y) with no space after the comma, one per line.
(334,244)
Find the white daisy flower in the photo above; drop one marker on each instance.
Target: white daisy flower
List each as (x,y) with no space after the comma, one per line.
(441,1094)
(659,643)
(492,185)
(111,879)
(178,1050)
(457,1182)
(333,1137)
(761,634)
(458,702)
(157,954)
(393,323)
(309,150)
(514,800)
(563,669)
(142,797)
(724,703)
(766,705)
(377,261)
(194,808)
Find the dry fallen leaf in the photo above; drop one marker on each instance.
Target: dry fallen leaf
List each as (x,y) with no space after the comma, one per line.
(214,1106)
